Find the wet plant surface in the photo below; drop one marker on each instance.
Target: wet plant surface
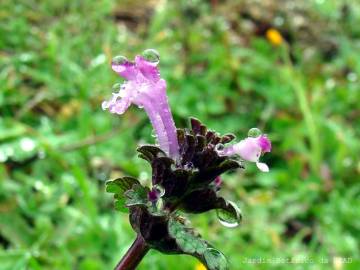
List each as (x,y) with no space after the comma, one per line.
(225,63)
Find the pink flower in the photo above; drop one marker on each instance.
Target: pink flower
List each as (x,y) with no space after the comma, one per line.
(250,149)
(145,88)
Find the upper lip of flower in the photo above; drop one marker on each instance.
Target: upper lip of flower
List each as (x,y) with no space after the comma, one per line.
(140,70)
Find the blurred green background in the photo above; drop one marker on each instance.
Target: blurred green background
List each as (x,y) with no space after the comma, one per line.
(290,68)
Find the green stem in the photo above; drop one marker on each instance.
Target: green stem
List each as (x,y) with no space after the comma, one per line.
(300,92)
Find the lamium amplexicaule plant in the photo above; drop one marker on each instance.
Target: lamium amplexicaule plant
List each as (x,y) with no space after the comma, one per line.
(187,164)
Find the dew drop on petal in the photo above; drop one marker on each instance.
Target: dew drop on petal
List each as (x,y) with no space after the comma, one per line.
(116,87)
(231,217)
(104,105)
(151,56)
(118,63)
(254,132)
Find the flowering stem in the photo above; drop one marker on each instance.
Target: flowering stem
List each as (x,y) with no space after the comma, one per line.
(134,255)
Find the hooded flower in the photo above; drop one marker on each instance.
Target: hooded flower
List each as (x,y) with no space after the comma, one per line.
(250,149)
(145,88)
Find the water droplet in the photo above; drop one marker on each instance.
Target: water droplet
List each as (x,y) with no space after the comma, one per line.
(151,56)
(189,166)
(215,259)
(118,63)
(352,77)
(143,176)
(27,144)
(219,147)
(42,154)
(116,87)
(153,133)
(160,204)
(119,60)
(160,190)
(3,156)
(254,132)
(230,217)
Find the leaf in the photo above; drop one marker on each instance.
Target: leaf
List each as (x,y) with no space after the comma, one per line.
(151,151)
(137,195)
(191,243)
(120,185)
(187,239)
(227,138)
(119,204)
(10,129)
(195,125)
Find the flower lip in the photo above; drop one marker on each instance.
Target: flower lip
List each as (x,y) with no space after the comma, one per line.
(250,149)
(264,143)
(139,69)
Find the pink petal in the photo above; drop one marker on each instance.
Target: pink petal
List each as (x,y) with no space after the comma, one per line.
(149,70)
(127,70)
(262,167)
(264,143)
(248,149)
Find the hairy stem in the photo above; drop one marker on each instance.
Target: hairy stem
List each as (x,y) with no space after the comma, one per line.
(134,255)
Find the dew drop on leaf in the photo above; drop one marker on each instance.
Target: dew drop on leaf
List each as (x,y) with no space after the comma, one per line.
(215,260)
(219,147)
(160,190)
(230,217)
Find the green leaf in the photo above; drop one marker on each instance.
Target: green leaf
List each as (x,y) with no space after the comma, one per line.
(137,195)
(191,243)
(120,185)
(186,237)
(119,204)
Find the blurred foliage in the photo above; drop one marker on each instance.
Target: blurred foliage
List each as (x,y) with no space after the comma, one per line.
(222,65)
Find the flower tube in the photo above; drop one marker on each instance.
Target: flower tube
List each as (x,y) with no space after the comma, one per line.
(145,88)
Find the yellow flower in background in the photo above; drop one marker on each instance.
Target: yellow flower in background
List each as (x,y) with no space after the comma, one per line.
(274,36)
(200,266)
